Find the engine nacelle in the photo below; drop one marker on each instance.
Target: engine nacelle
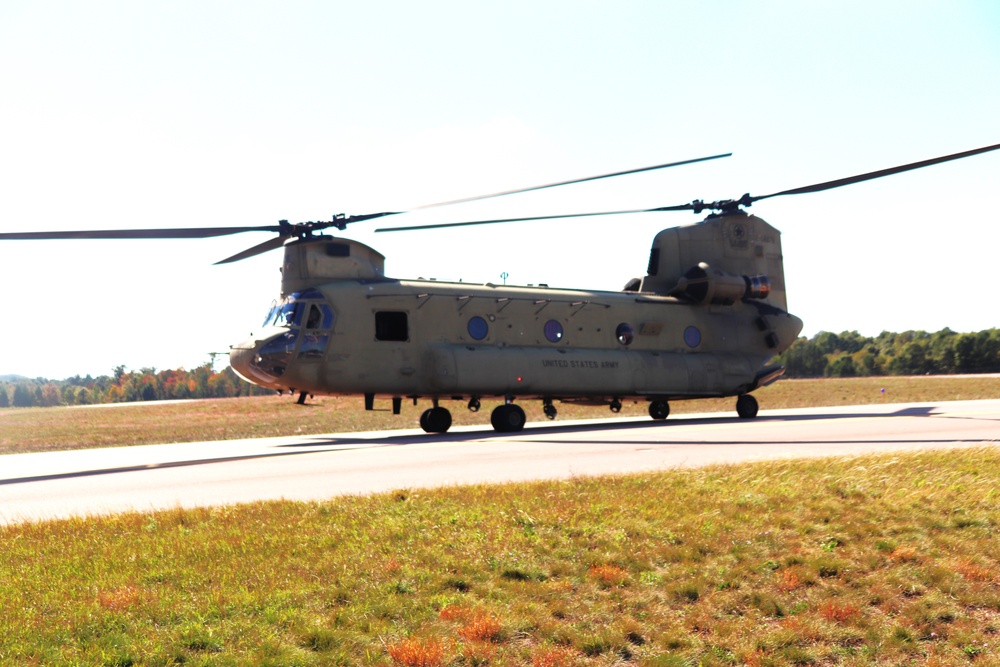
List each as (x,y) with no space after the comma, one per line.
(703,284)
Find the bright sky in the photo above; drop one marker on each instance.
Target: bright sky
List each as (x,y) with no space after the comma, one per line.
(142,114)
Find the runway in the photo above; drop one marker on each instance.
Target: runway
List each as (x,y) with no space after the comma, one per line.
(100,481)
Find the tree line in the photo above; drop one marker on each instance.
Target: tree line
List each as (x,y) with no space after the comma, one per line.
(849,354)
(124,386)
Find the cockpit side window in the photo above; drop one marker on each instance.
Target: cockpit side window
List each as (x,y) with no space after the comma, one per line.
(314,319)
(320,316)
(318,319)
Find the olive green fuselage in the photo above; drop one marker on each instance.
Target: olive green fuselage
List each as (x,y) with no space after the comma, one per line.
(458,339)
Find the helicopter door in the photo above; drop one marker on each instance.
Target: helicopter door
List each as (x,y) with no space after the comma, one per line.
(318,322)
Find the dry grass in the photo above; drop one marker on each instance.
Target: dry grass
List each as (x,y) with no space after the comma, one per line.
(887,560)
(416,653)
(42,429)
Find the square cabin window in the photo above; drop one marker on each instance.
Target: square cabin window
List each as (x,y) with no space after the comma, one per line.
(391,325)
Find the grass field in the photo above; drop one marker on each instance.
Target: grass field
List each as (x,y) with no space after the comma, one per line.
(877,560)
(889,560)
(41,429)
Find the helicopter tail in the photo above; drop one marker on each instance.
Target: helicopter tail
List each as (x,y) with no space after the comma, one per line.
(721,260)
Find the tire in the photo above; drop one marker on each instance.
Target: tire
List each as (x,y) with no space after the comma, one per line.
(746,406)
(435,420)
(508,418)
(659,409)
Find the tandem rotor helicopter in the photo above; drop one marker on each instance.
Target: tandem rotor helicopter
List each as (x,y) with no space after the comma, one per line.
(704,322)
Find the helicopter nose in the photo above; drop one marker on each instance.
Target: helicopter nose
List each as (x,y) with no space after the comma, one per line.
(240,356)
(263,360)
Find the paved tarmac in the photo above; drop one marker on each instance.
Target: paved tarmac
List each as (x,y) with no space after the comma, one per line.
(100,481)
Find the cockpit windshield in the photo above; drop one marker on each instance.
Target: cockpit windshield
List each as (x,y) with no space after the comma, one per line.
(287,314)
(270,314)
(290,312)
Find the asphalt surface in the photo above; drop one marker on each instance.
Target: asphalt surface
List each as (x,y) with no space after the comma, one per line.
(101,481)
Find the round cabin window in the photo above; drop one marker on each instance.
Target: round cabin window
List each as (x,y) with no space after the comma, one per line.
(692,336)
(553,331)
(478,328)
(625,333)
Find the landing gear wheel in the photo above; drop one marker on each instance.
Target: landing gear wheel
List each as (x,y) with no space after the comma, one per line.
(746,406)
(616,406)
(508,418)
(549,410)
(474,405)
(435,420)
(659,409)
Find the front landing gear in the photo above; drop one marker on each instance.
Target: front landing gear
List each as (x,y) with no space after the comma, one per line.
(435,420)
(746,406)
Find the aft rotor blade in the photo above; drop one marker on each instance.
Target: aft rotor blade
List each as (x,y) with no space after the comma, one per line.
(177,233)
(570,182)
(682,207)
(850,180)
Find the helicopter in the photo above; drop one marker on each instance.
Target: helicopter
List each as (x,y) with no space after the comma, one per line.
(705,321)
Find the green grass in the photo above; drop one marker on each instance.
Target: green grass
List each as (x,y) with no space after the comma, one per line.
(43,429)
(872,560)
(885,560)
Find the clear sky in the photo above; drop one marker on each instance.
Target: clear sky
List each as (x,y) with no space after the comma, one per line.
(142,114)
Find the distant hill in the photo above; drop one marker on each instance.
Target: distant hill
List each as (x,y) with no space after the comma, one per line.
(12,378)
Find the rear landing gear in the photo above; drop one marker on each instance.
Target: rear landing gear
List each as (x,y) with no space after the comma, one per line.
(435,420)
(746,406)
(508,418)
(659,409)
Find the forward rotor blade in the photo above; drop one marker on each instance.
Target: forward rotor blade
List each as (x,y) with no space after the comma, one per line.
(270,244)
(576,180)
(178,233)
(850,180)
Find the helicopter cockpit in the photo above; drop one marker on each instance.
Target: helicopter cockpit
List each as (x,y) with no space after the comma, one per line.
(304,321)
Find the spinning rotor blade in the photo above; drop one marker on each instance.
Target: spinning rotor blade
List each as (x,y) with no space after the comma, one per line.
(286,230)
(682,207)
(850,180)
(178,233)
(576,180)
(728,204)
(283,229)
(271,244)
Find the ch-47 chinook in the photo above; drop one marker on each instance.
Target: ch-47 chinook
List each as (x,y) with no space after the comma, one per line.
(705,321)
